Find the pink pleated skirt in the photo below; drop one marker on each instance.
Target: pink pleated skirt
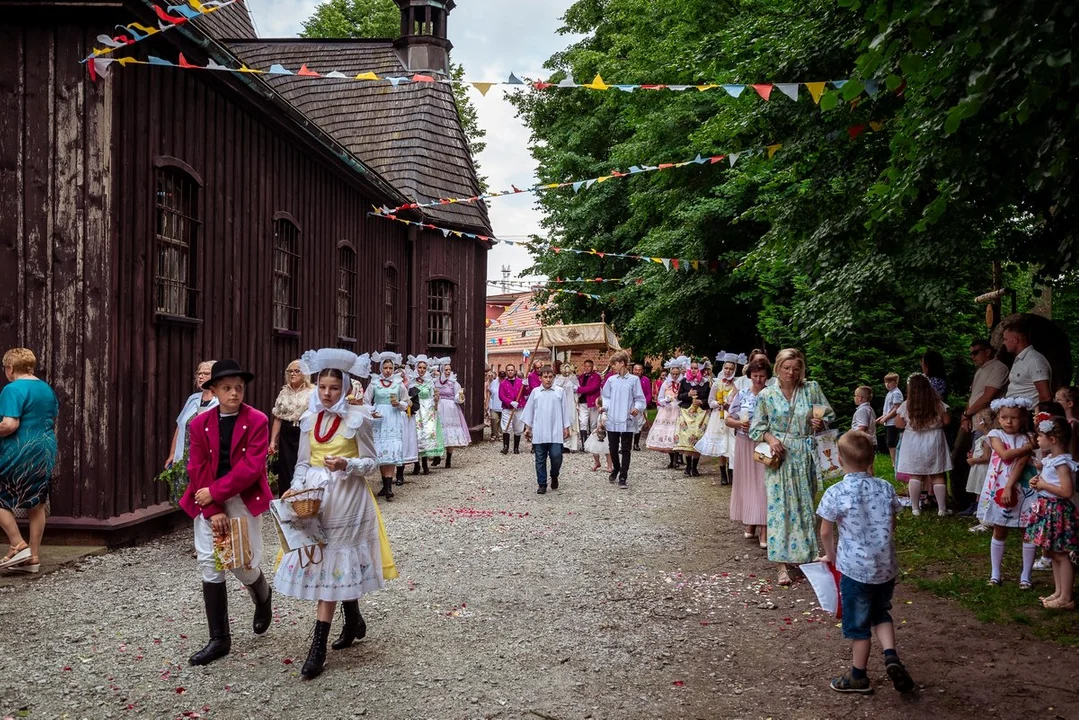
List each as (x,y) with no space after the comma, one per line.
(749,501)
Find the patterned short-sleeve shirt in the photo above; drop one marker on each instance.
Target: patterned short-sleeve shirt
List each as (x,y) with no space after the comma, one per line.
(863,507)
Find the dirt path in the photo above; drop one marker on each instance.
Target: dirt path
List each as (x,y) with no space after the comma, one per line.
(586,602)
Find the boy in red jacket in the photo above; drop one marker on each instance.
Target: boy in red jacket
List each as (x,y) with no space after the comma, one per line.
(227,468)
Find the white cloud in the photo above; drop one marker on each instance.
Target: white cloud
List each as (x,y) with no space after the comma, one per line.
(492,38)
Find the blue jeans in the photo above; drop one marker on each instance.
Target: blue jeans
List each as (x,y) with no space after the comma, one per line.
(544,451)
(864,607)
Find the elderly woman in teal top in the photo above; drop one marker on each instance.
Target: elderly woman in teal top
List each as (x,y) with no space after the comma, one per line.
(786,416)
(28,410)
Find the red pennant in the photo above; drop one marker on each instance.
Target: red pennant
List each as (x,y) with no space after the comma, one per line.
(170,19)
(855,130)
(601,254)
(718,158)
(674,263)
(763,90)
(541,85)
(421,78)
(664,166)
(483,237)
(185,64)
(555,249)
(92,70)
(652,87)
(640,281)
(304,71)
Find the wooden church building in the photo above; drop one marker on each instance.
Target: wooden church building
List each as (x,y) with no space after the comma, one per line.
(157,217)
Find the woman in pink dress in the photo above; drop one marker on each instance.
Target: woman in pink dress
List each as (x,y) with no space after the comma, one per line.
(450,398)
(749,501)
(664,433)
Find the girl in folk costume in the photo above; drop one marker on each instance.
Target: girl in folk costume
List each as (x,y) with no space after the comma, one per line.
(718,440)
(389,400)
(337,452)
(227,468)
(569,384)
(410,450)
(428,424)
(664,432)
(451,396)
(692,418)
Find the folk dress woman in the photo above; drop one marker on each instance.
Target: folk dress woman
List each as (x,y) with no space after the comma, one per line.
(337,452)
(428,425)
(388,399)
(410,443)
(784,418)
(451,396)
(718,440)
(289,407)
(693,418)
(664,433)
(569,383)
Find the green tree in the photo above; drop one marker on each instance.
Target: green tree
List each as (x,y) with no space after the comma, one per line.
(382,19)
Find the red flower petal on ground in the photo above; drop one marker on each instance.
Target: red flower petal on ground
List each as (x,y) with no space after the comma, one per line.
(67,668)
(287,661)
(678,683)
(180,691)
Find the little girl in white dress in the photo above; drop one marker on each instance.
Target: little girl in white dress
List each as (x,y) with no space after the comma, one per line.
(597,440)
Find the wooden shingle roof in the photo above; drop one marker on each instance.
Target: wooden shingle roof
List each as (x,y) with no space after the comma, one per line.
(232,22)
(410,135)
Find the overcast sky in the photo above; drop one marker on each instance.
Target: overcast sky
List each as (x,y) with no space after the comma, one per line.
(491,38)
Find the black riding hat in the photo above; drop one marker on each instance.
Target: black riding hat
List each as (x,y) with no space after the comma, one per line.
(226,368)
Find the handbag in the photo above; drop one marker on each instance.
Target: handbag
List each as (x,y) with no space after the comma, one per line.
(233,551)
(763,452)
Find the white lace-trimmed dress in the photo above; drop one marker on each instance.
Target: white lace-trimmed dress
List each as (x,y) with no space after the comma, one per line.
(718,440)
(569,385)
(351,562)
(925,451)
(454,424)
(389,428)
(664,433)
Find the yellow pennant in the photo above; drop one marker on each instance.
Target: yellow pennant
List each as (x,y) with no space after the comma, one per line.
(773,149)
(876,126)
(702,88)
(597,84)
(658,261)
(605,178)
(245,69)
(483,87)
(695,264)
(367,76)
(816,89)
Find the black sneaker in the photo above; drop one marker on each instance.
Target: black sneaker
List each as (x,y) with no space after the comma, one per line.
(554,483)
(612,477)
(542,490)
(622,484)
(898,674)
(847,684)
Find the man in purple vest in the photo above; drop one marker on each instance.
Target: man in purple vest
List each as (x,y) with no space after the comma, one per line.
(512,397)
(589,385)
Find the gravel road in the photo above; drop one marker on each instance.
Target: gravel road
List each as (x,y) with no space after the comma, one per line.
(585,602)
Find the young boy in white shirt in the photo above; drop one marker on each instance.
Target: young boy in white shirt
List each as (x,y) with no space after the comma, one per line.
(864,419)
(863,508)
(547,426)
(892,400)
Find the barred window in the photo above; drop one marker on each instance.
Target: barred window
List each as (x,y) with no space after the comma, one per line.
(346,294)
(286,271)
(176,235)
(391,304)
(440,307)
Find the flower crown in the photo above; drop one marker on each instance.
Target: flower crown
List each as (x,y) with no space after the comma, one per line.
(1012,402)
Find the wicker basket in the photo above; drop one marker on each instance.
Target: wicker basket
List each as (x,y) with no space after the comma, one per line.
(306,503)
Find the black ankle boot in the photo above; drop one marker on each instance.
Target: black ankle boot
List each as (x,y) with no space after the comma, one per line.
(416,469)
(262,595)
(435,462)
(400,476)
(355,628)
(449,459)
(695,462)
(688,472)
(425,470)
(584,438)
(637,441)
(679,461)
(316,657)
(387,489)
(516,444)
(671,465)
(216,598)
(505,443)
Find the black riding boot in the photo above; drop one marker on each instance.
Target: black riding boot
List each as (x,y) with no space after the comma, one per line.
(435,462)
(516,444)
(416,468)
(387,489)
(696,464)
(671,465)
(316,657)
(688,472)
(355,628)
(678,460)
(505,443)
(426,470)
(400,476)
(584,437)
(216,598)
(449,459)
(262,595)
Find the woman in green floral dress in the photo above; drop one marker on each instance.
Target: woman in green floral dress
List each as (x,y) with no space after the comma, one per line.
(786,416)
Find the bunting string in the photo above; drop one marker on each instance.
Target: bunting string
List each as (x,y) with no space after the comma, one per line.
(168,17)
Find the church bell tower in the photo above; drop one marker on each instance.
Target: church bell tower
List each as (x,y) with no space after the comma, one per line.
(423,46)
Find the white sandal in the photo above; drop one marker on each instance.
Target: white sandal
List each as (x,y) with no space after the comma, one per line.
(18,558)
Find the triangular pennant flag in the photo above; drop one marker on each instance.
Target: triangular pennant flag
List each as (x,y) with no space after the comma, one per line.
(337,74)
(445,232)
(578,185)
(733,157)
(109,42)
(626,88)
(211,65)
(816,89)
(788,89)
(679,88)
(395,81)
(597,84)
(483,87)
(855,130)
(666,166)
(734,90)
(773,149)
(705,88)
(185,64)
(601,254)
(765,90)
(153,60)
(652,87)
(876,126)
(567,82)
(277,69)
(699,160)
(838,84)
(603,179)
(253,71)
(872,87)
(514,80)
(589,183)
(422,78)
(717,159)
(367,76)
(674,263)
(666,263)
(99,67)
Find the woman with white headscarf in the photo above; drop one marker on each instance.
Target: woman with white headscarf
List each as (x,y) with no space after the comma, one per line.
(337,452)
(664,433)
(429,438)
(451,396)
(388,397)
(718,440)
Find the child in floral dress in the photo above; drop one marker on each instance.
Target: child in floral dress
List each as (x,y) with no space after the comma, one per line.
(1055,522)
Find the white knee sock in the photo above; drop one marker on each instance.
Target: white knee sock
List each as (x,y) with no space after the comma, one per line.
(996,555)
(1029,551)
(941,491)
(915,492)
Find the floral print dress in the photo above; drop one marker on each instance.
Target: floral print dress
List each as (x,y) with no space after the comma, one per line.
(790,488)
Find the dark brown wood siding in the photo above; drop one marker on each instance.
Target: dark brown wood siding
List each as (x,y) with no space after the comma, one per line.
(77,262)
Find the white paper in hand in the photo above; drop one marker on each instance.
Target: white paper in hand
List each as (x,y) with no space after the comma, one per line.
(825,581)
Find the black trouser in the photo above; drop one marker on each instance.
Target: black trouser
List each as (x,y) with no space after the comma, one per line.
(620,445)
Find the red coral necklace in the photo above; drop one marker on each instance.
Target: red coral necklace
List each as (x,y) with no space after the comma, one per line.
(322,439)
